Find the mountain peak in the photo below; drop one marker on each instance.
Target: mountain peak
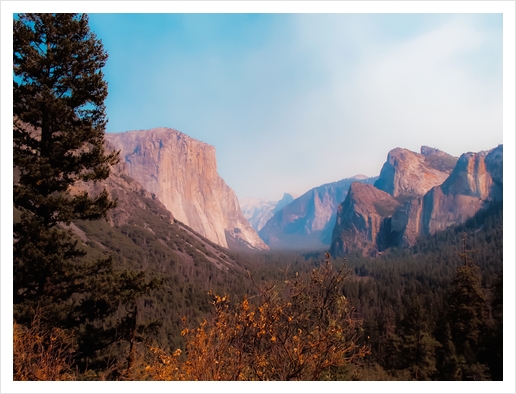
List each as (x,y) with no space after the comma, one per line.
(359,177)
(427,151)
(182,172)
(413,174)
(285,200)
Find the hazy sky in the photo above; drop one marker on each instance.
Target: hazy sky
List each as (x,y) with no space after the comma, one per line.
(291,101)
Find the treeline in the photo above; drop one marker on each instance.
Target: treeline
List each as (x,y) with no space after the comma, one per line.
(433,311)
(430,312)
(406,300)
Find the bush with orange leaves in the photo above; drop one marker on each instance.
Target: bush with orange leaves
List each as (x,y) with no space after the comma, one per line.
(296,330)
(40,354)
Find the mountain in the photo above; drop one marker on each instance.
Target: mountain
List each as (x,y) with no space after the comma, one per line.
(308,221)
(406,173)
(420,195)
(139,211)
(476,180)
(360,219)
(182,173)
(258,211)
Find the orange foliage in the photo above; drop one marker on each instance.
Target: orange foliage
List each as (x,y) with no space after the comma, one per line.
(293,331)
(40,354)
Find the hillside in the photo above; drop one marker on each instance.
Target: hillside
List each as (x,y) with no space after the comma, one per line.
(142,234)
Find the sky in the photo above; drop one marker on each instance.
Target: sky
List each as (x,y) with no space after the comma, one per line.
(292,101)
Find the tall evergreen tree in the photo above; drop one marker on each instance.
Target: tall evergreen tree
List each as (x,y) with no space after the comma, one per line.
(468,317)
(493,347)
(467,304)
(419,346)
(58,127)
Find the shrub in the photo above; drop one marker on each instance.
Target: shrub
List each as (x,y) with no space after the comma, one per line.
(295,330)
(41,354)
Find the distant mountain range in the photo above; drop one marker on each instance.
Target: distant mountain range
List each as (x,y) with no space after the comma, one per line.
(416,194)
(258,211)
(308,221)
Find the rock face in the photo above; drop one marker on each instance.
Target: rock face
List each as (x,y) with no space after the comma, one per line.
(258,211)
(419,205)
(360,219)
(142,232)
(130,195)
(476,180)
(308,221)
(406,173)
(182,173)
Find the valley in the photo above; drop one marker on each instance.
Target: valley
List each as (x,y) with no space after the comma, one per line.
(400,257)
(399,235)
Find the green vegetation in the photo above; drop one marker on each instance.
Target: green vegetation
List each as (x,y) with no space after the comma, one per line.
(424,309)
(413,308)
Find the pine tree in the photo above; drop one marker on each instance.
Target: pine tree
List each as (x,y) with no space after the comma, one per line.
(58,128)
(59,123)
(447,361)
(418,344)
(467,303)
(468,318)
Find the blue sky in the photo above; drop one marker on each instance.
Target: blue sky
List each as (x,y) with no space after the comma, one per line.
(292,101)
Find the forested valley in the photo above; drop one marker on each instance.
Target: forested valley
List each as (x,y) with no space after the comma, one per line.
(432,312)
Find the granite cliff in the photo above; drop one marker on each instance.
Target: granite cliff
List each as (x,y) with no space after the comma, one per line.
(360,219)
(428,192)
(181,173)
(308,221)
(142,233)
(476,180)
(406,173)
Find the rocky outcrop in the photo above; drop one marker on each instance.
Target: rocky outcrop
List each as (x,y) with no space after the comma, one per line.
(406,173)
(258,211)
(308,221)
(142,233)
(361,218)
(182,173)
(475,180)
(130,195)
(405,225)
